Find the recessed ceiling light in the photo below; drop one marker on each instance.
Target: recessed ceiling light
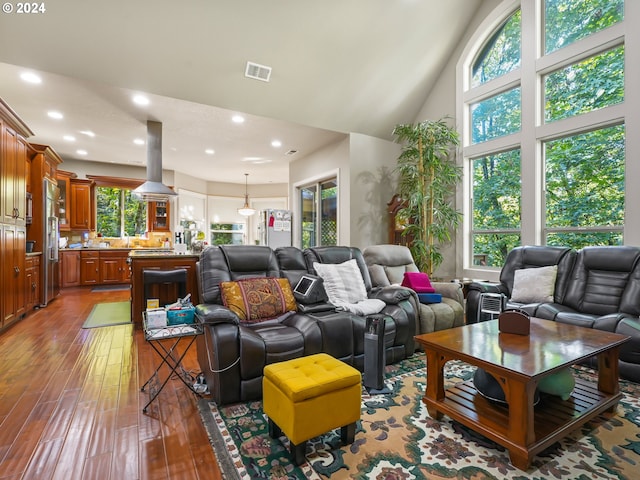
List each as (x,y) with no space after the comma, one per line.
(56,115)
(276,143)
(237,119)
(82,152)
(256,160)
(69,138)
(209,151)
(88,133)
(31,77)
(138,141)
(140,100)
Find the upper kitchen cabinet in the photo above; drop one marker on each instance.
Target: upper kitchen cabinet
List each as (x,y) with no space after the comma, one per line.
(158,216)
(44,164)
(64,187)
(81,206)
(13,166)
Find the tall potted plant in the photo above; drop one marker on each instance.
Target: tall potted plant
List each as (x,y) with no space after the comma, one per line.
(427,178)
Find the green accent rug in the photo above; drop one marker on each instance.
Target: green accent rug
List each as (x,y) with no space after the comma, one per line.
(396,439)
(108,314)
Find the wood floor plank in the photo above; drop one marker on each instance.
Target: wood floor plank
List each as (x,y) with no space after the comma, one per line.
(125,458)
(44,460)
(18,418)
(18,455)
(70,462)
(81,417)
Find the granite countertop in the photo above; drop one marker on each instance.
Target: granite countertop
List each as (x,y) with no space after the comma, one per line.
(115,249)
(160,252)
(139,252)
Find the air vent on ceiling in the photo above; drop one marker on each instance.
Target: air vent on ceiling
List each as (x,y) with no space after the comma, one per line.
(257,72)
(291,152)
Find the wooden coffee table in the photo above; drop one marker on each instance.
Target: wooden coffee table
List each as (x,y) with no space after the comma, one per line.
(518,362)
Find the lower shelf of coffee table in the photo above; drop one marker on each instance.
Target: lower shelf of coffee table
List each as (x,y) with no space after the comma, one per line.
(554,418)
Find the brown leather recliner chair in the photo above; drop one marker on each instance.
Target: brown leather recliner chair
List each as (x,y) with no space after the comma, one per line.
(232,356)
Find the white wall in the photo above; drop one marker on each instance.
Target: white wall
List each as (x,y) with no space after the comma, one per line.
(372,185)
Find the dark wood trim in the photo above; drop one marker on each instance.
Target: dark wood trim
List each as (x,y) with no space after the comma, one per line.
(107,181)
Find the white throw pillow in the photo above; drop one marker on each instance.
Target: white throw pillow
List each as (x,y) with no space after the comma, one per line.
(534,285)
(343,281)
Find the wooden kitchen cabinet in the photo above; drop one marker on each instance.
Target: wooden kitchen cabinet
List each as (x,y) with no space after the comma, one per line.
(89,267)
(94,267)
(70,271)
(114,267)
(64,188)
(13,292)
(158,216)
(13,177)
(81,214)
(32,274)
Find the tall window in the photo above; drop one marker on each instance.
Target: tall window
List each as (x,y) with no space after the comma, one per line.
(119,213)
(544,136)
(319,214)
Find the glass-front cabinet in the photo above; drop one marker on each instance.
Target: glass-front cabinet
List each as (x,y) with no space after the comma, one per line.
(64,187)
(159,216)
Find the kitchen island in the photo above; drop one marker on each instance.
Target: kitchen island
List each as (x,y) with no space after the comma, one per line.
(160,259)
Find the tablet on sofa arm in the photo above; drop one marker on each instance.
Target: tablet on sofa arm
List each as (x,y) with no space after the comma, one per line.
(304,285)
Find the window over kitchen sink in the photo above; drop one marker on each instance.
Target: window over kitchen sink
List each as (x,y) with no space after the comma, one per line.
(119,212)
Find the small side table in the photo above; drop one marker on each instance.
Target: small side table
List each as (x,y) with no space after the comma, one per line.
(160,339)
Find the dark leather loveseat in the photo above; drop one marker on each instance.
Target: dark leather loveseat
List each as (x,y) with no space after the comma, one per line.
(596,287)
(233,354)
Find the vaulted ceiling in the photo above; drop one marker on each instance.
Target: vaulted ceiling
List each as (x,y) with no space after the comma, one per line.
(337,67)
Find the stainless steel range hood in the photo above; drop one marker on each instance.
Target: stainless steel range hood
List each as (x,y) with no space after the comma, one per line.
(153,189)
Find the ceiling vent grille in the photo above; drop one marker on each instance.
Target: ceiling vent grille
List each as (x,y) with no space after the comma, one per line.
(257,72)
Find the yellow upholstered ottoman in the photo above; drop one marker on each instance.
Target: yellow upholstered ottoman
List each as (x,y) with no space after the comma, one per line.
(308,396)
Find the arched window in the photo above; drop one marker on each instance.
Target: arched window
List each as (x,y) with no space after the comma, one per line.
(543,110)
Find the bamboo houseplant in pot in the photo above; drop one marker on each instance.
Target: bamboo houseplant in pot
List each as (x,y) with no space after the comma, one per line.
(427,180)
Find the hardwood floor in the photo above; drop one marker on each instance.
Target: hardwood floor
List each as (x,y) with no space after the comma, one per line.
(71,405)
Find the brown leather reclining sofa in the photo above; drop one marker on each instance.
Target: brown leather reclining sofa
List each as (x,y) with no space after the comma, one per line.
(596,287)
(233,354)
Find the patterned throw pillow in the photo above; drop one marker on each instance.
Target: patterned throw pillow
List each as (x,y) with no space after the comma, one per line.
(258,299)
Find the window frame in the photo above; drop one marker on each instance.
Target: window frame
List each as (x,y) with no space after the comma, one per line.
(534,131)
(317,183)
(115,182)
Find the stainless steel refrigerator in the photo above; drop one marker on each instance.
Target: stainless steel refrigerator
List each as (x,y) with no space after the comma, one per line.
(275,228)
(51,285)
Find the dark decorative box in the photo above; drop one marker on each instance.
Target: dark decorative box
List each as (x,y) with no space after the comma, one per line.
(514,321)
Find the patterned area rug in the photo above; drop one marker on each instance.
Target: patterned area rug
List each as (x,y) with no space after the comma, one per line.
(396,439)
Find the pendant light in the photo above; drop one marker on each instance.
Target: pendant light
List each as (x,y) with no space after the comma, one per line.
(246,210)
